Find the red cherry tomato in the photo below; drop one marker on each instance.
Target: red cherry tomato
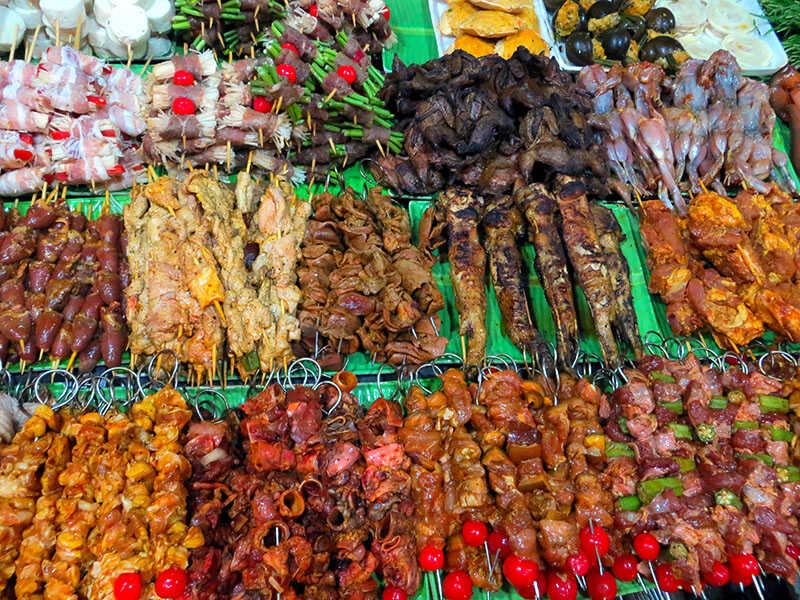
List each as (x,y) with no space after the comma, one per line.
(535,590)
(287,70)
(474,533)
(431,558)
(578,564)
(594,539)
(96,100)
(646,546)
(183,77)
(561,587)
(26,137)
(520,572)
(171,583)
(741,579)
(457,586)
(386,13)
(718,575)
(128,586)
(529,592)
(261,104)
(183,106)
(744,564)
(498,544)
(116,170)
(347,73)
(292,47)
(626,567)
(793,551)
(59,135)
(666,580)
(22,154)
(394,593)
(601,587)
(312,10)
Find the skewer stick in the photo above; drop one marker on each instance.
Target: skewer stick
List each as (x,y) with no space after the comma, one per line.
(58,33)
(21,366)
(77,40)
(378,142)
(228,154)
(218,306)
(130,57)
(249,162)
(464,348)
(260,137)
(13,44)
(33,43)
(71,360)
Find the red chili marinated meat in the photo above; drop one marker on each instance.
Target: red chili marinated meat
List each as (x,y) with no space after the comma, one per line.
(38,216)
(77,221)
(85,323)
(12,293)
(108,257)
(74,304)
(57,293)
(114,338)
(108,285)
(61,345)
(27,351)
(15,324)
(46,329)
(39,273)
(18,245)
(49,245)
(71,251)
(89,357)
(106,228)
(35,303)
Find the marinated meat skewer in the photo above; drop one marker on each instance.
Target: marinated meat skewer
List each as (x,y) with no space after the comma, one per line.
(586,257)
(467,269)
(551,265)
(609,235)
(501,224)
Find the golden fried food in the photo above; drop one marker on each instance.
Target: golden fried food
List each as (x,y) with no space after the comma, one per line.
(530,20)
(491,24)
(527,38)
(472,45)
(508,6)
(455,16)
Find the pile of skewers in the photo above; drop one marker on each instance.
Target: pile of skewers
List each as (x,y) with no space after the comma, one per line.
(591,241)
(212,272)
(71,119)
(729,266)
(201,114)
(307,497)
(329,86)
(365,285)
(683,475)
(96,505)
(62,281)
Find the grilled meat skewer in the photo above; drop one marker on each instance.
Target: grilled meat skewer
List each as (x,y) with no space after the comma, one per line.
(501,224)
(586,257)
(609,234)
(467,269)
(551,265)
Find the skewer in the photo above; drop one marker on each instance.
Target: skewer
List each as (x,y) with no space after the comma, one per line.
(130,57)
(58,33)
(13,44)
(33,43)
(78,31)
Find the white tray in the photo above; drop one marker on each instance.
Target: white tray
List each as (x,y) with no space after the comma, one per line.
(763,27)
(437,8)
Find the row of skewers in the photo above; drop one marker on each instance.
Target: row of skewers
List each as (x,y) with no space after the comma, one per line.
(566,231)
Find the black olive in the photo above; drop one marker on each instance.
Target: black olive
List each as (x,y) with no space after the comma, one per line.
(659,47)
(635,26)
(661,20)
(601,9)
(553,5)
(580,49)
(615,42)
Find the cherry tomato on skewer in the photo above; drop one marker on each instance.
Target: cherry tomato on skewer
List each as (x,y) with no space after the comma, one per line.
(347,73)
(457,586)
(474,533)
(393,593)
(601,586)
(594,537)
(520,572)
(183,106)
(646,546)
(793,551)
(431,558)
(718,576)
(183,77)
(626,567)
(128,586)
(287,70)
(666,580)
(498,544)
(292,47)
(261,104)
(578,564)
(744,564)
(171,583)
(560,587)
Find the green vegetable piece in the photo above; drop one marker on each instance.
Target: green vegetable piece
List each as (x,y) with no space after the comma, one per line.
(718,403)
(616,449)
(727,498)
(628,503)
(647,490)
(675,406)
(659,376)
(788,473)
(736,397)
(745,425)
(678,550)
(765,458)
(705,433)
(250,361)
(686,464)
(623,424)
(781,435)
(773,403)
(682,432)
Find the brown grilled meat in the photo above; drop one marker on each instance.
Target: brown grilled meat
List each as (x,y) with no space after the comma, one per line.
(467,269)
(610,235)
(586,257)
(501,224)
(551,264)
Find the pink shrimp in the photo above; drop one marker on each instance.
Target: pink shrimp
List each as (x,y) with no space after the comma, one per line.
(18,117)
(22,181)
